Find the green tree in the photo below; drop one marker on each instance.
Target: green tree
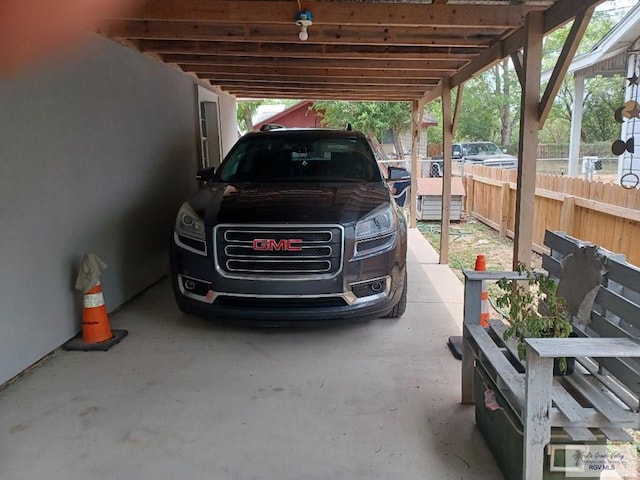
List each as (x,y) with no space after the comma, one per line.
(245,112)
(602,95)
(605,96)
(375,119)
(480,110)
(490,107)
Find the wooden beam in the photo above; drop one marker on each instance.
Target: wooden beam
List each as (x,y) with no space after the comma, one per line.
(456,111)
(416,126)
(447,141)
(321,96)
(333,13)
(529,126)
(319,71)
(308,82)
(432,95)
(339,68)
(569,49)
(443,66)
(311,91)
(332,53)
(328,34)
(516,59)
(301,50)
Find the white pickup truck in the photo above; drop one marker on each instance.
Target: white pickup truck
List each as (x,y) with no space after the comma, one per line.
(477,153)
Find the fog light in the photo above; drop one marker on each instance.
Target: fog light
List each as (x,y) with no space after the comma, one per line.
(194,286)
(372,287)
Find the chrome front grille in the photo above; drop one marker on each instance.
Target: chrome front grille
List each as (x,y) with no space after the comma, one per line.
(268,251)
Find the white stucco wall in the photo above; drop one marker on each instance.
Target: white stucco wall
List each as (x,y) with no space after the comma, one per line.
(96,155)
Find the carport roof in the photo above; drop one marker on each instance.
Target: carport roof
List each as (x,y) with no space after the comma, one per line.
(356,50)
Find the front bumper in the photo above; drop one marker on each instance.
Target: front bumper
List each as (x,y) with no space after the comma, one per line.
(287,309)
(364,288)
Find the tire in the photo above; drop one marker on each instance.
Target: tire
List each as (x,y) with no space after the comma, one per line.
(401,306)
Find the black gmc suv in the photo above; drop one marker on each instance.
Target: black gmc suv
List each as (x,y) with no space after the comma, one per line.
(296,225)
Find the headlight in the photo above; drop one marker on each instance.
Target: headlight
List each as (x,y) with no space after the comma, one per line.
(188,223)
(379,222)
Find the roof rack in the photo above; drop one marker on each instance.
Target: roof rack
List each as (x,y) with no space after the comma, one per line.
(271,126)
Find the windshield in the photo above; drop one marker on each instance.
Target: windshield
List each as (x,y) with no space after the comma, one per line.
(299,158)
(481,149)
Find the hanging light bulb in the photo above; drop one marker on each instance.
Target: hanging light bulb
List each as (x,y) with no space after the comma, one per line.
(304,19)
(303,35)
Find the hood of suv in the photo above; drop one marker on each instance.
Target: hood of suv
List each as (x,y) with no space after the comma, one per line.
(284,203)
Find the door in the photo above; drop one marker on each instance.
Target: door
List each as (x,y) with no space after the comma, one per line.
(210,134)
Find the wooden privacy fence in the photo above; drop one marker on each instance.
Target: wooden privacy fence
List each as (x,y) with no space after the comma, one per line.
(604,214)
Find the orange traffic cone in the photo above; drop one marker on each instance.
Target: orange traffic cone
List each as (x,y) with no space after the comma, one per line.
(96,332)
(95,322)
(481,266)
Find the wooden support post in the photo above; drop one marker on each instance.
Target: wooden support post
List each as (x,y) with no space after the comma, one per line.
(416,122)
(537,423)
(447,128)
(529,126)
(472,308)
(505,204)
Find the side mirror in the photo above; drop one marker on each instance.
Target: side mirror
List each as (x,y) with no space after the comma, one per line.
(206,174)
(398,175)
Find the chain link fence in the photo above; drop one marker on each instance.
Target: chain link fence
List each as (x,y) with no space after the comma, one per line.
(554,159)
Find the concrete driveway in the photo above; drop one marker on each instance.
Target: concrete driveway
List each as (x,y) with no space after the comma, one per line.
(182,398)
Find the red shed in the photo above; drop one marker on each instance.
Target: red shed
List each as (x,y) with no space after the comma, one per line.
(299,115)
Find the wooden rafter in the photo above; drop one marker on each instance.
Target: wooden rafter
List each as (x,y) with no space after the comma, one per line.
(251,47)
(564,60)
(318,34)
(266,71)
(445,66)
(335,13)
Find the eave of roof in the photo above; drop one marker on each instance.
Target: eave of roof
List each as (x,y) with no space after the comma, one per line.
(615,43)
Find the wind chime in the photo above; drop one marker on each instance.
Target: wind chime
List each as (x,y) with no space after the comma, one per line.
(629,112)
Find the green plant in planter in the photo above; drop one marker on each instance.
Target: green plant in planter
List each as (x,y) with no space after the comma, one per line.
(535,310)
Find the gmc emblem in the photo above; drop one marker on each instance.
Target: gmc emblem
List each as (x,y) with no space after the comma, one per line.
(269,244)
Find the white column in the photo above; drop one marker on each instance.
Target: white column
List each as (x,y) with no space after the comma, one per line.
(576,126)
(631,127)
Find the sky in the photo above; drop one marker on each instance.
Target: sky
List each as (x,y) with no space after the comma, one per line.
(615,4)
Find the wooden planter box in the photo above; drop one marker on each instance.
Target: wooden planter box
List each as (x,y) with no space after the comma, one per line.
(503,431)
